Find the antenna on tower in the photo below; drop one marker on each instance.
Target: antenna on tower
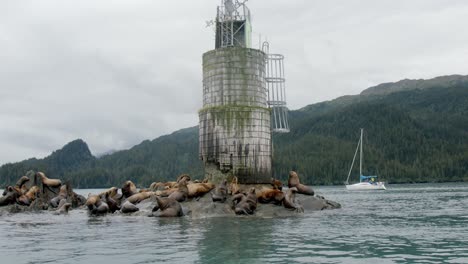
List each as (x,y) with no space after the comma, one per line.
(233,26)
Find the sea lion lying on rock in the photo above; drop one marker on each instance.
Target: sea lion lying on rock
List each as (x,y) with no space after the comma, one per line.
(219,194)
(274,196)
(128,207)
(245,204)
(277,184)
(63,195)
(9,196)
(181,194)
(53,183)
(28,197)
(113,193)
(157,186)
(293,181)
(138,197)
(199,189)
(169,207)
(96,205)
(289,201)
(128,189)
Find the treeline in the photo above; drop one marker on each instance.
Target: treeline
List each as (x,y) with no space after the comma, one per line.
(410,136)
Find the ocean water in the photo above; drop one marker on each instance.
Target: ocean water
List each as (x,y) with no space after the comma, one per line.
(426,223)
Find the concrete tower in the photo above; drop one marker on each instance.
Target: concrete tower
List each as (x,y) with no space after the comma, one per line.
(235,130)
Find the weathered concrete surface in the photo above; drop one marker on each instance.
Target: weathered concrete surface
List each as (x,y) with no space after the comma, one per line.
(235,132)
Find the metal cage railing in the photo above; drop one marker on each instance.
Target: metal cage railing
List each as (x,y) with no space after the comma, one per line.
(275,81)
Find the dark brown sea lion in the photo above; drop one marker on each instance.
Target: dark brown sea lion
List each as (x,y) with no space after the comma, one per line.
(128,207)
(289,201)
(181,194)
(113,205)
(199,189)
(63,194)
(219,194)
(9,196)
(49,182)
(293,181)
(274,196)
(28,197)
(277,184)
(234,186)
(128,189)
(245,204)
(169,207)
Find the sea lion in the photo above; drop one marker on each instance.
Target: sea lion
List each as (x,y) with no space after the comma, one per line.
(245,204)
(219,194)
(92,201)
(63,207)
(169,207)
(274,196)
(157,186)
(107,198)
(277,184)
(289,201)
(113,192)
(96,205)
(234,186)
(182,176)
(199,189)
(293,181)
(28,197)
(128,207)
(166,192)
(128,189)
(181,194)
(20,186)
(49,182)
(170,185)
(63,195)
(9,196)
(138,197)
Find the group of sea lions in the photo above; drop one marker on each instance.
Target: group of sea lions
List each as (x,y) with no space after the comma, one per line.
(166,196)
(34,191)
(246,203)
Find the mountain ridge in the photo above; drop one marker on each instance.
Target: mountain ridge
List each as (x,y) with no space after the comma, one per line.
(413,135)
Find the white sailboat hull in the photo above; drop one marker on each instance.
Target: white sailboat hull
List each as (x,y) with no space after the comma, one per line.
(364,186)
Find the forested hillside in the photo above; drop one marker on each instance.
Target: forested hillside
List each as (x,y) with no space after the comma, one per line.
(411,135)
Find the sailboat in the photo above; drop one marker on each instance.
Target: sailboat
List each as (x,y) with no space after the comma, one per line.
(365,182)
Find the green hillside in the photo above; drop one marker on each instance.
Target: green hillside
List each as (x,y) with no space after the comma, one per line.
(415,131)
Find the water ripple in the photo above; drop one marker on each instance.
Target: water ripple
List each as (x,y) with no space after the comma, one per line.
(405,224)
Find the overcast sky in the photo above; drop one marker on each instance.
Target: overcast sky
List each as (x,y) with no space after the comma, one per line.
(115,72)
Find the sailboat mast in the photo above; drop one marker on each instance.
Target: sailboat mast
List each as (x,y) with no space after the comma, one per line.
(360,160)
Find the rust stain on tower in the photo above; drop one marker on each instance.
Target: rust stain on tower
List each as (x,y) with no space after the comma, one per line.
(243,101)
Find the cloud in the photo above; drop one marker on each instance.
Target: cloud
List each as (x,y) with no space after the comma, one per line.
(115,73)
